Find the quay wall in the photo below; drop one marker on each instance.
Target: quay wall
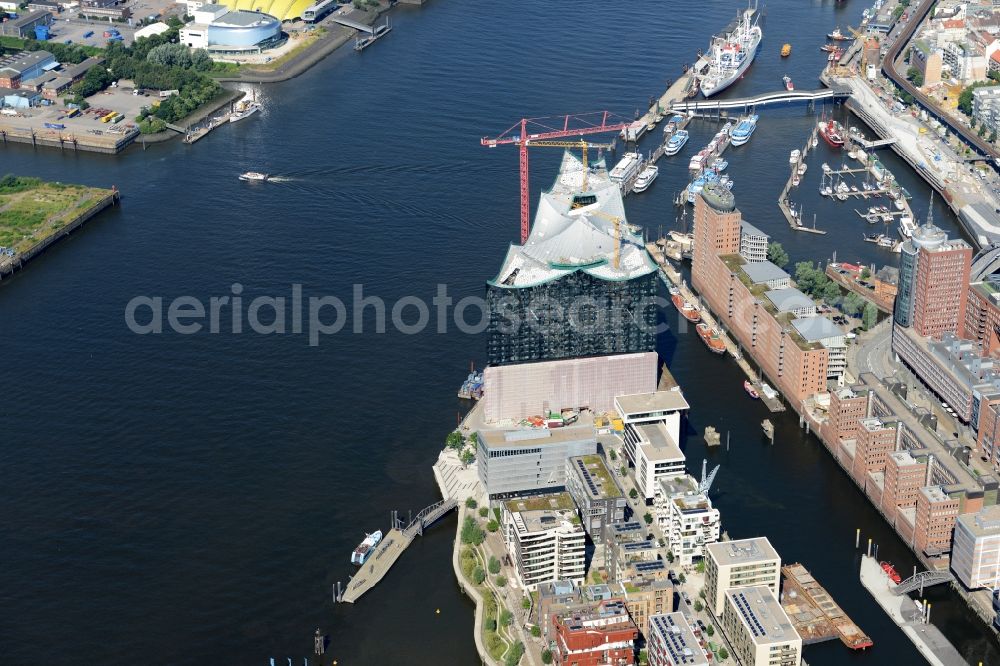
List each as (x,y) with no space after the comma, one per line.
(109,144)
(9,266)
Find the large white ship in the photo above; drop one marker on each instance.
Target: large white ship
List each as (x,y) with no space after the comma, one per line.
(731,53)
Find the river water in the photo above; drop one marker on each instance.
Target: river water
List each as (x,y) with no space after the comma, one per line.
(190,499)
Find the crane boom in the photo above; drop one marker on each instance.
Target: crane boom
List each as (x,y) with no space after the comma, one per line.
(529,130)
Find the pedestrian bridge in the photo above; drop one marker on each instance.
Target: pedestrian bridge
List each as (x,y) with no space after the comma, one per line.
(779,97)
(922,580)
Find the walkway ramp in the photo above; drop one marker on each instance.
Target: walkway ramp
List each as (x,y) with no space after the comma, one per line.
(353,24)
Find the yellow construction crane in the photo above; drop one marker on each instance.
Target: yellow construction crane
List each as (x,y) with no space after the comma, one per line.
(581,144)
(618,232)
(857,33)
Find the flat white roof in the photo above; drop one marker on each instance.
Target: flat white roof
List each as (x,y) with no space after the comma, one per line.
(658,401)
(762,615)
(742,551)
(657,444)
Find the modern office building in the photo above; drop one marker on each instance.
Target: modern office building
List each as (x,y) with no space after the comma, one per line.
(687,518)
(544,539)
(598,498)
(933,282)
(602,636)
(651,428)
(735,291)
(975,550)
(742,563)
(581,285)
(671,641)
(525,460)
(758,629)
(954,369)
(753,243)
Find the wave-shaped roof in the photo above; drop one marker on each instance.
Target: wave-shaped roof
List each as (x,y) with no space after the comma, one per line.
(284,10)
(574,229)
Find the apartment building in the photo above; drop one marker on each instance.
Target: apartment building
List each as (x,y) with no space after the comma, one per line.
(602,636)
(598,498)
(544,539)
(741,563)
(671,641)
(687,518)
(758,629)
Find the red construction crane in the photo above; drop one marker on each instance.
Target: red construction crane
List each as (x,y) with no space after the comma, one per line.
(537,129)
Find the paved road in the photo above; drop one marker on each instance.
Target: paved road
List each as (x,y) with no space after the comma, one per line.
(873,352)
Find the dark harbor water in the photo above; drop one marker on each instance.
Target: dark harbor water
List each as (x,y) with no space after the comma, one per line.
(190,499)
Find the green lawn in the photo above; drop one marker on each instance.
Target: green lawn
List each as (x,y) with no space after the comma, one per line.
(31,210)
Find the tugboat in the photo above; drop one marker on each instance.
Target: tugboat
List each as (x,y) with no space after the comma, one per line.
(254,176)
(786,50)
(751,391)
(837,35)
(789,86)
(711,338)
(366,547)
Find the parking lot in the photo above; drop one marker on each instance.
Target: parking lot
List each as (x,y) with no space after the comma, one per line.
(89,122)
(68,27)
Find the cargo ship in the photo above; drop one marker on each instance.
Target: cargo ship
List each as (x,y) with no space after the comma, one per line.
(711,338)
(732,53)
(366,547)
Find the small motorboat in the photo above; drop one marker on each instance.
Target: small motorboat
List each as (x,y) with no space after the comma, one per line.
(751,391)
(789,86)
(255,176)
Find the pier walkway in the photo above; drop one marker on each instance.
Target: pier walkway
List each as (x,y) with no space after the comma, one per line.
(391,547)
(780,97)
(794,218)
(909,616)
